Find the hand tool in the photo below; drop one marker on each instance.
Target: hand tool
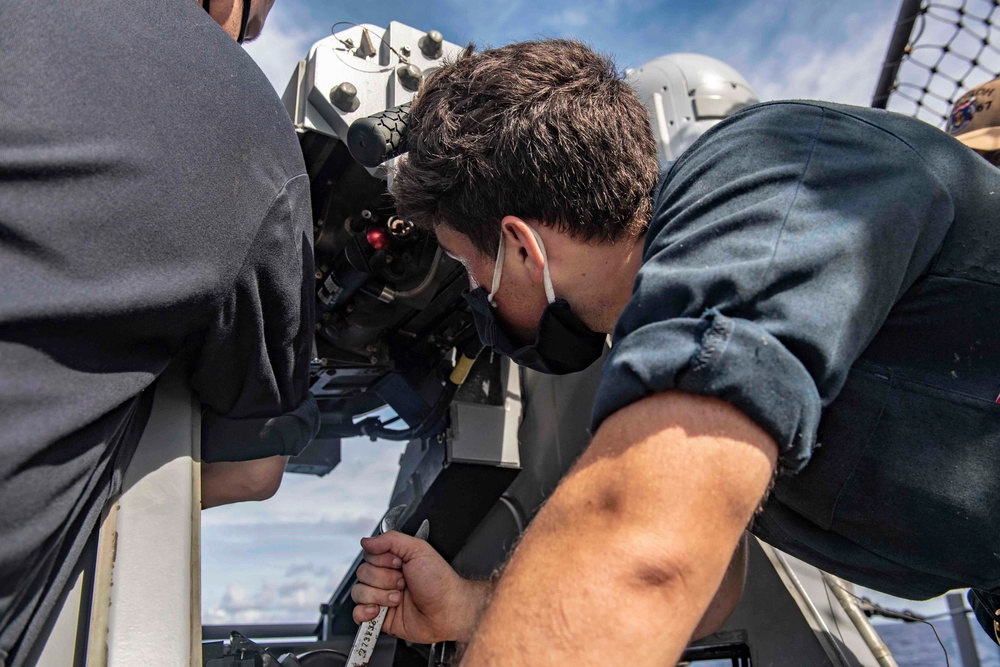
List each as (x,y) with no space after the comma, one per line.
(364,642)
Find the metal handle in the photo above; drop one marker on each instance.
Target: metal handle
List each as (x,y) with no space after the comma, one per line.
(379,137)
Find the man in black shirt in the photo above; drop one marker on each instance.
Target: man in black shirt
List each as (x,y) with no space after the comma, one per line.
(806,345)
(154,209)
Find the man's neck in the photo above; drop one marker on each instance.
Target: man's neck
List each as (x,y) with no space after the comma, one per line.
(606,275)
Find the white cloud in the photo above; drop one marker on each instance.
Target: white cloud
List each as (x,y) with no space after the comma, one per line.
(296,569)
(789,49)
(295,601)
(288,34)
(568,19)
(277,560)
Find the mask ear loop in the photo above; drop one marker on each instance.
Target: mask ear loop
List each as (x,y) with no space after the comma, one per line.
(547,279)
(497,272)
(244,21)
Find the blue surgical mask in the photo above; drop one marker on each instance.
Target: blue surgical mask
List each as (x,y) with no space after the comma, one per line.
(563,343)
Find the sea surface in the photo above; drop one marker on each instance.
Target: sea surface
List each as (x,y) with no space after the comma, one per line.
(914,644)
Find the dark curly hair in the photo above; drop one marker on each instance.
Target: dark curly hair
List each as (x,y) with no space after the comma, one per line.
(546,130)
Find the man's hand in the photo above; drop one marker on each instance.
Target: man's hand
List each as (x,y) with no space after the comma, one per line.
(623,561)
(228,482)
(428,601)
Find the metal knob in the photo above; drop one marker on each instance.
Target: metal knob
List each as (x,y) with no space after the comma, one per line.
(431,44)
(345,97)
(410,76)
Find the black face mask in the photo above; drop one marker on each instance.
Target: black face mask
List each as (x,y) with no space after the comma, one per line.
(244,18)
(563,343)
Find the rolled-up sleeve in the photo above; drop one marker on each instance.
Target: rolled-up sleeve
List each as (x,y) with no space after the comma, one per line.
(252,369)
(778,246)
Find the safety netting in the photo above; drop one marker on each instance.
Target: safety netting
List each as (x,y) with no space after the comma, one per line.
(940,49)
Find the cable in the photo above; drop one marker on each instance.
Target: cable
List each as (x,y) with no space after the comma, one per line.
(836,621)
(431,272)
(375,428)
(349,45)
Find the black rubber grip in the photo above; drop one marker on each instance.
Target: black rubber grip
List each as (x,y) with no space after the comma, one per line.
(379,137)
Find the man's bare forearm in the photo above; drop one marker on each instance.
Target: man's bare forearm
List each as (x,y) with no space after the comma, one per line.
(622,562)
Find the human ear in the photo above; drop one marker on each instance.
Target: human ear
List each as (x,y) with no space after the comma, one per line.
(520,240)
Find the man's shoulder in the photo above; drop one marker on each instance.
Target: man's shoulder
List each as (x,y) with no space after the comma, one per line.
(156,78)
(144,133)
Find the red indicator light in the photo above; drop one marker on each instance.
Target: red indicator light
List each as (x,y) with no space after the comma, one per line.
(377,238)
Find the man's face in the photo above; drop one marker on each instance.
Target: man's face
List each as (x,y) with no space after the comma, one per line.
(227,13)
(520,300)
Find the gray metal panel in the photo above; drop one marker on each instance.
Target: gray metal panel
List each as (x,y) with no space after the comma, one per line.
(482,433)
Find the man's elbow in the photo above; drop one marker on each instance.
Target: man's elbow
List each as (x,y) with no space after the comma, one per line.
(239,481)
(730,592)
(265,479)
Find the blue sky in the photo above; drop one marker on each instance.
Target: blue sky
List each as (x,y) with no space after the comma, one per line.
(785,48)
(279,559)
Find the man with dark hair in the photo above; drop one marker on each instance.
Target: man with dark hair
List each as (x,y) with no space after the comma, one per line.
(806,345)
(154,210)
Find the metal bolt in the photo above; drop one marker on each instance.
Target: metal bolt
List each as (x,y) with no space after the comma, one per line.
(326,316)
(319,327)
(409,76)
(431,44)
(366,214)
(373,359)
(345,97)
(405,50)
(350,308)
(319,275)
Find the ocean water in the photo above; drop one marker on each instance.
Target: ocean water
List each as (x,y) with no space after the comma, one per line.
(914,645)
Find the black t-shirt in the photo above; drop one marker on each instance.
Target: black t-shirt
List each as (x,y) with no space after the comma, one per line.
(834,273)
(153,206)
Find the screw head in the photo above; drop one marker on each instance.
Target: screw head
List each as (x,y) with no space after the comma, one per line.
(405,50)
